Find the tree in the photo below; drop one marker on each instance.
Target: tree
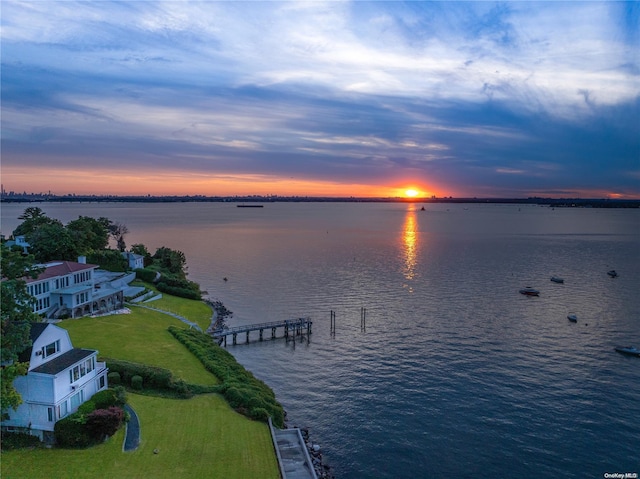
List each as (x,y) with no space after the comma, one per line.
(142,251)
(33,218)
(16,317)
(52,241)
(173,261)
(89,234)
(118,230)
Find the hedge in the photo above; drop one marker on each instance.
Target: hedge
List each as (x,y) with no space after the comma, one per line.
(152,377)
(187,293)
(146,275)
(242,390)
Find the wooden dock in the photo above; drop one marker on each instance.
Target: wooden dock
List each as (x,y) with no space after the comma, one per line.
(290,327)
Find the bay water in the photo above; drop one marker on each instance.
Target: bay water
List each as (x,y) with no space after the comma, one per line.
(453,373)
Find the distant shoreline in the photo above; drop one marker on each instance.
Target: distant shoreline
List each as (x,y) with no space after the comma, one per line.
(554,202)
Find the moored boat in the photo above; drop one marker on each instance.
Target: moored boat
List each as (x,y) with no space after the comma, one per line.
(630,350)
(572,317)
(529,291)
(613,273)
(557,279)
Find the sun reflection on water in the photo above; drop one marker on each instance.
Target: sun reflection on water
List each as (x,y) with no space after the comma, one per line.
(410,244)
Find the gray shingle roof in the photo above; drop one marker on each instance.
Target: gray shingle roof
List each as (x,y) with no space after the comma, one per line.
(61,363)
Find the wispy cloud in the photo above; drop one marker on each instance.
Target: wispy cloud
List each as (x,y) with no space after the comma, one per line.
(463,94)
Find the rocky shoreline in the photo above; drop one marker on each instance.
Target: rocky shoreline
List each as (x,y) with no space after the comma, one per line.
(323,471)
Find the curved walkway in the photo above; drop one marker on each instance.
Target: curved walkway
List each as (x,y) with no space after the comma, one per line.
(132,431)
(181,318)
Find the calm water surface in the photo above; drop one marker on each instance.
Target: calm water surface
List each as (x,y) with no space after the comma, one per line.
(455,373)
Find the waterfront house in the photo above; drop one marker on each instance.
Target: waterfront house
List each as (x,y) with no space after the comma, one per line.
(75,289)
(59,379)
(135,261)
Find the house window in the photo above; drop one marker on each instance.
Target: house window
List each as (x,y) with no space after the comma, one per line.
(76,400)
(89,365)
(62,410)
(50,414)
(51,348)
(101,382)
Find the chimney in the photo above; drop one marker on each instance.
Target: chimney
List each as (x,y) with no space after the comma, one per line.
(82,259)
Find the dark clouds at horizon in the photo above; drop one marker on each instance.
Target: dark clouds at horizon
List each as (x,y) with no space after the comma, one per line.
(469,98)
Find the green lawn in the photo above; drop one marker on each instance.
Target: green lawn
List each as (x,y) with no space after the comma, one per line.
(141,337)
(197,438)
(193,310)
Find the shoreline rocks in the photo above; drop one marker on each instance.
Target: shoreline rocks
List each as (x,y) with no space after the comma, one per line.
(323,471)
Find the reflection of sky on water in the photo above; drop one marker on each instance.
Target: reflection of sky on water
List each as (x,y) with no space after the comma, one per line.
(409,245)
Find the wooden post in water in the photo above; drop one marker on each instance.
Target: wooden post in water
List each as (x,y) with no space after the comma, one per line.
(363,319)
(333,322)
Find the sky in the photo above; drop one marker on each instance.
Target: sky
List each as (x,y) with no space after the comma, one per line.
(463,99)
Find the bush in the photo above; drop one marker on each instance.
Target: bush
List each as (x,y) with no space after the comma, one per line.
(109,397)
(86,408)
(146,275)
(187,293)
(114,378)
(136,382)
(18,440)
(153,377)
(104,422)
(72,432)
(242,390)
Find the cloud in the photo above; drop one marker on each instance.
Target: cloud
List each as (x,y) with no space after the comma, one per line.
(467,94)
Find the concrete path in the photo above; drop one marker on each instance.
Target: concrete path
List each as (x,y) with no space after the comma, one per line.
(181,318)
(132,431)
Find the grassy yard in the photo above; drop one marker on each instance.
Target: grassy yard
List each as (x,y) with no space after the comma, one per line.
(141,337)
(193,310)
(197,438)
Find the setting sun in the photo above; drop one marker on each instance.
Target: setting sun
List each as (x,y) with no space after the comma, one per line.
(411,193)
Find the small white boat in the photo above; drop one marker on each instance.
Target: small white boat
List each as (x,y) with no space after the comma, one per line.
(529,291)
(557,279)
(572,317)
(613,273)
(630,350)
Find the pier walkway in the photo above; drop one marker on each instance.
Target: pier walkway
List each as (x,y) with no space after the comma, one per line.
(293,458)
(291,327)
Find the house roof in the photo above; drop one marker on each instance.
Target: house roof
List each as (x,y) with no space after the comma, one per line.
(64,361)
(61,268)
(36,330)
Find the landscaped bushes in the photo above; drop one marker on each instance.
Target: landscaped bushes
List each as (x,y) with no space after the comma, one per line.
(101,416)
(72,432)
(180,292)
(102,423)
(18,440)
(146,275)
(152,377)
(242,390)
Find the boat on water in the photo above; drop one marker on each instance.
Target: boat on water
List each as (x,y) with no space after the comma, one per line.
(557,279)
(572,317)
(613,273)
(630,350)
(529,291)
(250,206)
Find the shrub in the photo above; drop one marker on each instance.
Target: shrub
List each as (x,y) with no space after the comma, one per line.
(18,440)
(153,377)
(72,432)
(177,291)
(114,378)
(136,382)
(104,422)
(242,390)
(109,397)
(146,275)
(86,408)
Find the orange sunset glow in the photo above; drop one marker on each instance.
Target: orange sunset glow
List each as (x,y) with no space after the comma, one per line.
(168,183)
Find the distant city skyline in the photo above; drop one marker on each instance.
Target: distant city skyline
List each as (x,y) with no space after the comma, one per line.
(334,99)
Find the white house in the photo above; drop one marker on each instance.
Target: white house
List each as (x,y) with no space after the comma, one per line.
(135,261)
(68,288)
(59,379)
